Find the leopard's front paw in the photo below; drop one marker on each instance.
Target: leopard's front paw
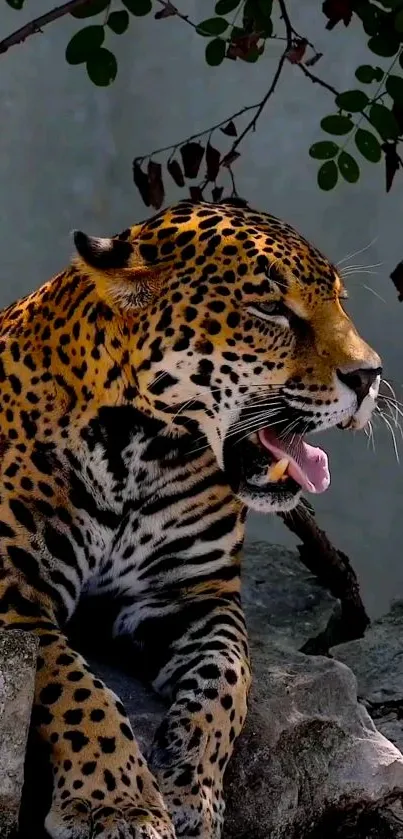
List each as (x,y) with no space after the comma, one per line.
(78,818)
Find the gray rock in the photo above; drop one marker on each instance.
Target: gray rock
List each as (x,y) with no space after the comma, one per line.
(282,600)
(377,661)
(18,651)
(308,748)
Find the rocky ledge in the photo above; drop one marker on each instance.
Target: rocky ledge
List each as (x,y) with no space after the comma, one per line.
(311,763)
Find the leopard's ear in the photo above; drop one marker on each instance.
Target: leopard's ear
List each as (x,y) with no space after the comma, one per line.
(103,254)
(121,277)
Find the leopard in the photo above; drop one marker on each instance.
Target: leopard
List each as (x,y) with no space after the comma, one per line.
(151,394)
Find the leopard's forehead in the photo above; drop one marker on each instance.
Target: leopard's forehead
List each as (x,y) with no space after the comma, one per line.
(194,236)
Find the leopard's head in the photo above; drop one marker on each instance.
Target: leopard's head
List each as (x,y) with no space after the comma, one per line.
(238,333)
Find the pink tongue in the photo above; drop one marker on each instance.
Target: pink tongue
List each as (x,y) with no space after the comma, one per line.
(308,464)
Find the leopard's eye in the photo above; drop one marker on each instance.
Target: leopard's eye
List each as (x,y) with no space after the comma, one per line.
(274,311)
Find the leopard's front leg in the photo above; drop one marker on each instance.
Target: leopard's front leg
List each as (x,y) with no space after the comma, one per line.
(102,786)
(206,674)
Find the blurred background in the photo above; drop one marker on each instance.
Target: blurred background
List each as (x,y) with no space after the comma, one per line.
(66,151)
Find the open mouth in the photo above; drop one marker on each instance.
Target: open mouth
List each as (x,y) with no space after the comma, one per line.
(294,458)
(268,463)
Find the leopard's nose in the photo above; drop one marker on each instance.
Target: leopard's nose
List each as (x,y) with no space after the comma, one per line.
(360,381)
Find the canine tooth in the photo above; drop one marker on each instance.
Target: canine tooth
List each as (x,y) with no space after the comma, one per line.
(278,470)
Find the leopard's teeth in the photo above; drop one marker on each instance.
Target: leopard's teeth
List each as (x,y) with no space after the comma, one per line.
(277,471)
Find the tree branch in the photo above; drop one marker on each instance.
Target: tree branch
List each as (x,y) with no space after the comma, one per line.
(36,25)
(334,572)
(291,43)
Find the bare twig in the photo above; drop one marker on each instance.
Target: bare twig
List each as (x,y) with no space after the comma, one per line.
(35,26)
(252,124)
(174,11)
(317,80)
(202,133)
(289,31)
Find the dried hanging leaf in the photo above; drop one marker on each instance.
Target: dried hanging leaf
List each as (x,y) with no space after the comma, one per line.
(235,200)
(397,279)
(392,163)
(297,51)
(397,111)
(257,17)
(216,193)
(231,53)
(212,162)
(155,184)
(196,193)
(141,181)
(175,172)
(229,129)
(337,10)
(242,46)
(314,60)
(230,158)
(167,11)
(192,156)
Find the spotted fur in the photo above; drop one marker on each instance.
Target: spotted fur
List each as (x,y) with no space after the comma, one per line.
(131,389)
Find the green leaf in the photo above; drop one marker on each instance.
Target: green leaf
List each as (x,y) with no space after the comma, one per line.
(348,167)
(90,9)
(368,145)
(237,32)
(118,21)
(378,73)
(215,52)
(223,7)
(102,67)
(267,29)
(266,6)
(367,74)
(352,100)
(257,17)
(373,18)
(84,43)
(394,86)
(324,150)
(15,4)
(212,26)
(337,124)
(328,175)
(383,120)
(384,45)
(138,7)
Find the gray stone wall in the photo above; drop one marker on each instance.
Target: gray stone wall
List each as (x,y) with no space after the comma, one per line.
(65,161)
